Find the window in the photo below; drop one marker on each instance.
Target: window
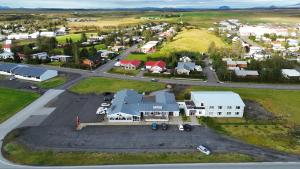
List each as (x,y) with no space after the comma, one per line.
(228,113)
(219,107)
(211,107)
(229,107)
(219,113)
(202,104)
(238,107)
(237,113)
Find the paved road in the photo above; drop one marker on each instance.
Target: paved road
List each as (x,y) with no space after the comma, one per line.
(250,42)
(211,75)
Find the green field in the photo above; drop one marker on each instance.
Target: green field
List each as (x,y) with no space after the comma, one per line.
(74,37)
(100,85)
(12,101)
(52,83)
(193,40)
(283,103)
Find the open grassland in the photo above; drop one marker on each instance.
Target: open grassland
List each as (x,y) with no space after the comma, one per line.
(194,40)
(124,71)
(100,85)
(283,103)
(54,82)
(106,22)
(12,101)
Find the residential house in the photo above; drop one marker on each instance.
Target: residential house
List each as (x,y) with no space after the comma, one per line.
(187,67)
(185,59)
(106,53)
(41,56)
(130,106)
(48,34)
(130,64)
(214,104)
(149,47)
(232,65)
(290,73)
(91,61)
(155,66)
(61,58)
(293,42)
(246,73)
(6,55)
(7,46)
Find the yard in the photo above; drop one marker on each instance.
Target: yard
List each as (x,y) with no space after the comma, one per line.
(100,85)
(12,101)
(283,103)
(124,71)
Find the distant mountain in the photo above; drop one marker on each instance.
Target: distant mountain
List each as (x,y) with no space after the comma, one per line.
(224,8)
(4,7)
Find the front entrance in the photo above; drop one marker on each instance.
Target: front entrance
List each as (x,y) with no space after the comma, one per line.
(193,112)
(136,118)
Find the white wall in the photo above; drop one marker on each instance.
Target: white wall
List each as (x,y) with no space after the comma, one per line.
(48,75)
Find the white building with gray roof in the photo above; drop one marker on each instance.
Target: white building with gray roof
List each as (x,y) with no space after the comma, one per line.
(27,73)
(130,106)
(187,67)
(214,104)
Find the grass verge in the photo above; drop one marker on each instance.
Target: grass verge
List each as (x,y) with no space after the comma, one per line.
(124,71)
(100,85)
(52,83)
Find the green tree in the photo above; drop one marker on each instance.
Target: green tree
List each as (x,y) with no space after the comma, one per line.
(83,37)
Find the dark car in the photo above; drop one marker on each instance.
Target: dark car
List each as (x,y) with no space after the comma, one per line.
(164,126)
(187,127)
(154,126)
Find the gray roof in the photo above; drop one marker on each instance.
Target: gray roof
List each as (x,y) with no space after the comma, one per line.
(29,71)
(131,102)
(186,65)
(8,67)
(218,98)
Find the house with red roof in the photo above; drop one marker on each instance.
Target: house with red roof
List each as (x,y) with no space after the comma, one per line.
(155,66)
(130,64)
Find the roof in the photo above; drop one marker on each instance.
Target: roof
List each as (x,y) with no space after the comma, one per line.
(6,46)
(160,64)
(290,72)
(186,65)
(60,56)
(136,63)
(131,102)
(244,73)
(218,98)
(8,67)
(29,71)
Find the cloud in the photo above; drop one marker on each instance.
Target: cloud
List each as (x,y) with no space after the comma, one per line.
(142,3)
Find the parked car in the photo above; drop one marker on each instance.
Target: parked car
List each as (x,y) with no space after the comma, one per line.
(101,110)
(164,126)
(187,127)
(154,126)
(203,149)
(154,80)
(105,104)
(33,87)
(180,127)
(12,78)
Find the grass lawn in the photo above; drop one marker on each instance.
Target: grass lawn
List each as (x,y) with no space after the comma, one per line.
(124,71)
(74,37)
(52,83)
(282,103)
(12,101)
(100,85)
(20,154)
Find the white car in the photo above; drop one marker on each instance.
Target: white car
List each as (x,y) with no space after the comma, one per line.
(180,127)
(203,150)
(12,78)
(105,104)
(101,110)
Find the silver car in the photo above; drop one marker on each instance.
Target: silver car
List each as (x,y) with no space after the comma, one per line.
(204,150)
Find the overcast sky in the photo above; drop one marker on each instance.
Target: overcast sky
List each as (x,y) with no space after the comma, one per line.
(144,3)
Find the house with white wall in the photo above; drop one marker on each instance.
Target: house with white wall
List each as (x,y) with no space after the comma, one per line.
(214,104)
